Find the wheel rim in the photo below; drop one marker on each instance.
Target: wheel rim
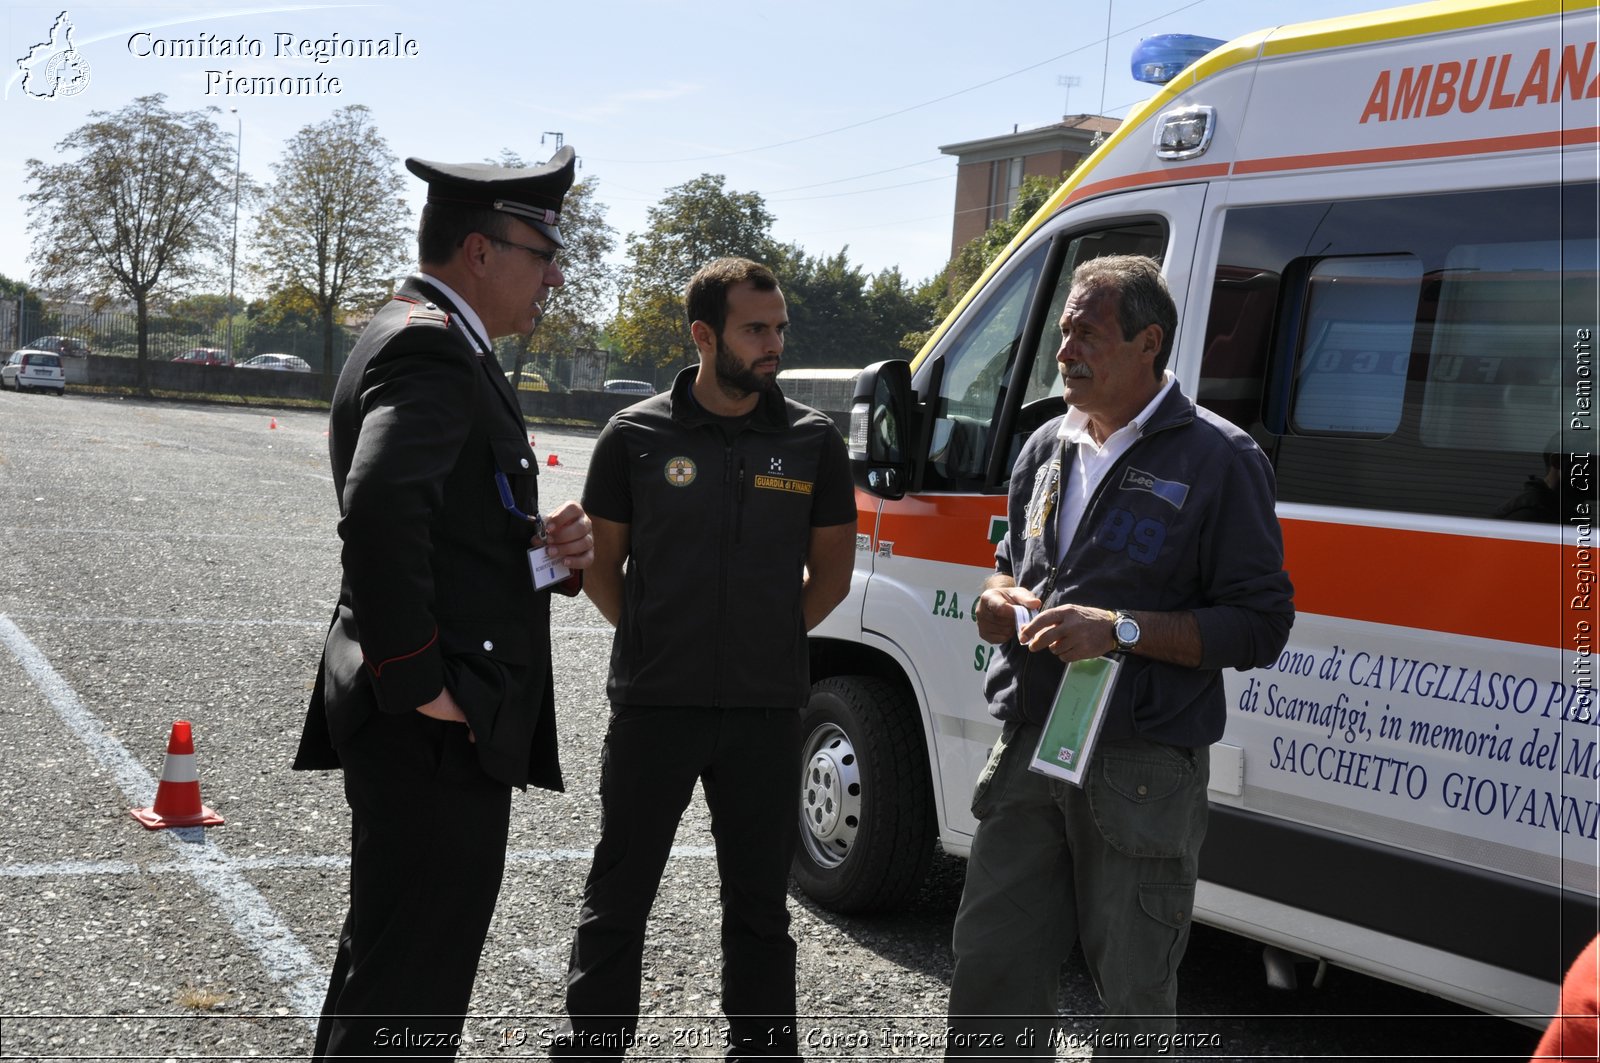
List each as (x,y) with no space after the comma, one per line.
(830,796)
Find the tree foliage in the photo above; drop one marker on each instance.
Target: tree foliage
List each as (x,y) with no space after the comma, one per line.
(842,317)
(138,205)
(335,227)
(200,312)
(32,305)
(694,223)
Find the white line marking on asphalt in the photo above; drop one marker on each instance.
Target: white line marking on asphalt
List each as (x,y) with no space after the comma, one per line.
(128,534)
(174,621)
(202,621)
(69,868)
(252,918)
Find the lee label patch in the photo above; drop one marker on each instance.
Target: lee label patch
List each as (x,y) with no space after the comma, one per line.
(784,483)
(1169,491)
(681,472)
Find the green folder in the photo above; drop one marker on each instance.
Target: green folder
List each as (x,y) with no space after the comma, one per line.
(1074,722)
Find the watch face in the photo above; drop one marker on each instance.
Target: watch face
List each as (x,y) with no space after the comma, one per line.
(1127,631)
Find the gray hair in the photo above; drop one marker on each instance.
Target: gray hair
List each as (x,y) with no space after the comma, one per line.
(1143,298)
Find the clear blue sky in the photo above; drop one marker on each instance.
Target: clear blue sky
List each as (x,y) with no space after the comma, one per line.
(832,111)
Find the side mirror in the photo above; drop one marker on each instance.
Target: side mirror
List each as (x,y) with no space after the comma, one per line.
(880,429)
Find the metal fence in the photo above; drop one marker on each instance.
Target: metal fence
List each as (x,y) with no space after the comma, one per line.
(115,332)
(587,369)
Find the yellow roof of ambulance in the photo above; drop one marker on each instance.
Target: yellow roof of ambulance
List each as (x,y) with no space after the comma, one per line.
(1413,20)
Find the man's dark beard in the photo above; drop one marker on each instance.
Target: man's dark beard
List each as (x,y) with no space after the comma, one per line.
(733,376)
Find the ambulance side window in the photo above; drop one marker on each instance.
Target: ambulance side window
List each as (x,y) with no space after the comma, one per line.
(974,367)
(1415,354)
(1354,343)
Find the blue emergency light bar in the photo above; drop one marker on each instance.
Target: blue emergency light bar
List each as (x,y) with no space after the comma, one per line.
(1157,60)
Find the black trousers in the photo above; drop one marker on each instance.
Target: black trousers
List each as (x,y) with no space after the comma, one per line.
(427,853)
(747,761)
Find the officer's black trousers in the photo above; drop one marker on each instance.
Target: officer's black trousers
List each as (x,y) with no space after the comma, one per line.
(428,850)
(747,760)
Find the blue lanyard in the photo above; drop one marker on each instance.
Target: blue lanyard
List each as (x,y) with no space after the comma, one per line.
(510,504)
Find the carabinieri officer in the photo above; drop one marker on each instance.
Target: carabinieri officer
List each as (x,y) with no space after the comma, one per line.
(435,693)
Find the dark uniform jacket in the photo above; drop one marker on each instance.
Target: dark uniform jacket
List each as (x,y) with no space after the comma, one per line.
(720,526)
(437,590)
(1183,521)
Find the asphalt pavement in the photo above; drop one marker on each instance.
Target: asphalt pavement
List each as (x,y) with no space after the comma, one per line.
(165,561)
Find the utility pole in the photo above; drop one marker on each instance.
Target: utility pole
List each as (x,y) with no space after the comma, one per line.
(233,253)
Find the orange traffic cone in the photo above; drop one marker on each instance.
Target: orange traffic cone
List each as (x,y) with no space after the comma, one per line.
(273,423)
(178,795)
(552,460)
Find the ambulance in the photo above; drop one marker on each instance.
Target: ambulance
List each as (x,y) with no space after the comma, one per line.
(1381,234)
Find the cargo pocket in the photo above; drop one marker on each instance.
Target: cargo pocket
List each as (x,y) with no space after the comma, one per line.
(983,791)
(1148,799)
(1171,905)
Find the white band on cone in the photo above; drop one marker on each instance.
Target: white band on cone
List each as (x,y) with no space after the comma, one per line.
(180,768)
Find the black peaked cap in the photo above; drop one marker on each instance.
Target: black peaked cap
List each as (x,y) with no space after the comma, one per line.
(532,194)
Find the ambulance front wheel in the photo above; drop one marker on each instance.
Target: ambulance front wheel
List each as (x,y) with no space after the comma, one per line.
(866,810)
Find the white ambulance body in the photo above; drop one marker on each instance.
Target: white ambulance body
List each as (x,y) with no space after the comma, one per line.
(1381,235)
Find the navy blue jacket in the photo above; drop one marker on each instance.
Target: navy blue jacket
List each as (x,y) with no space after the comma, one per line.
(1184,520)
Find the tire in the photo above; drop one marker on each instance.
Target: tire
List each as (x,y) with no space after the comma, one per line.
(866,803)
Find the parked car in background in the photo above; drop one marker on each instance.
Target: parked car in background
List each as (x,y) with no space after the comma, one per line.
(283,362)
(28,370)
(531,381)
(71,346)
(628,387)
(205,356)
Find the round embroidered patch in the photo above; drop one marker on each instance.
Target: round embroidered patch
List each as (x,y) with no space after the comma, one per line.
(680,472)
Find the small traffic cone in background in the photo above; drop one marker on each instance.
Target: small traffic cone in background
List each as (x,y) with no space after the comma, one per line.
(530,439)
(552,459)
(178,795)
(272,423)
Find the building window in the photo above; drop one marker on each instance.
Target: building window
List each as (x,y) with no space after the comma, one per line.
(1005,178)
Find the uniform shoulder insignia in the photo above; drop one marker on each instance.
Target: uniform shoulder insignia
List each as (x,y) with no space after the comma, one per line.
(427,314)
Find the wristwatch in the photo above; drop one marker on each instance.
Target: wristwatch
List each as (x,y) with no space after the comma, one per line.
(1125,629)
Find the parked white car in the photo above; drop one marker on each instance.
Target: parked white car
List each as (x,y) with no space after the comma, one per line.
(29,370)
(283,362)
(628,387)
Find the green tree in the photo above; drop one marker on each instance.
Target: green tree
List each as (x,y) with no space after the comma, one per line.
(199,313)
(137,206)
(30,311)
(693,224)
(826,298)
(10,289)
(285,321)
(896,309)
(335,226)
(967,265)
(842,317)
